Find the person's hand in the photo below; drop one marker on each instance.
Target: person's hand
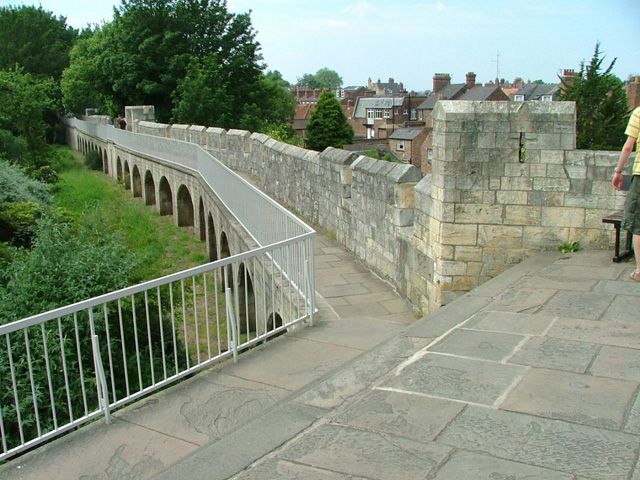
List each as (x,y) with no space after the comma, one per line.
(617,180)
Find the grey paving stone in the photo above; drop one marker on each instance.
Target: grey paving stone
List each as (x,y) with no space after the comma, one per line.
(204,408)
(372,455)
(615,334)
(618,287)
(591,452)
(330,291)
(510,322)
(362,310)
(413,416)
(556,353)
(478,344)
(291,363)
(616,362)
(361,333)
(583,305)
(559,283)
(443,376)
(277,469)
(623,309)
(235,452)
(349,380)
(521,300)
(596,401)
(472,466)
(559,269)
(447,317)
(117,451)
(632,422)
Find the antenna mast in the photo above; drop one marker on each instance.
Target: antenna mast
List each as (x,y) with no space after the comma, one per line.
(497,62)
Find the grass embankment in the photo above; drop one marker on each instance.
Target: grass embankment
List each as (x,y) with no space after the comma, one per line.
(161,246)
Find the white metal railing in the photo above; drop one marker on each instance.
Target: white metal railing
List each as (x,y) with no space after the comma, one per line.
(62,368)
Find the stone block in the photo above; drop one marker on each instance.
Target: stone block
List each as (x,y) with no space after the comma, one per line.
(516,183)
(512,197)
(467,253)
(470,213)
(522,215)
(504,236)
(458,234)
(563,217)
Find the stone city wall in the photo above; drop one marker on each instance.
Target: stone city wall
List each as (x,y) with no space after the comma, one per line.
(507,183)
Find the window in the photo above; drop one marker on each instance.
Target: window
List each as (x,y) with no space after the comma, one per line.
(378,113)
(405,111)
(400,146)
(369,113)
(430,153)
(546,98)
(518,98)
(414,114)
(387,113)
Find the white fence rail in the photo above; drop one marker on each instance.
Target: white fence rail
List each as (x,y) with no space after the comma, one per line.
(65,367)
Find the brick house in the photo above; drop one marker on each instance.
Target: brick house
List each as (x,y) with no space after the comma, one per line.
(406,143)
(384,89)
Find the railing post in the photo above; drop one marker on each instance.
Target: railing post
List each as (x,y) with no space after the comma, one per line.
(231,322)
(101,380)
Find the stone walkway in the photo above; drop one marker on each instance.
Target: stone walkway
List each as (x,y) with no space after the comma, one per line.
(534,375)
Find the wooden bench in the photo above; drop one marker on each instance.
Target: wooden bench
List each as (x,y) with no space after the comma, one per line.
(616,220)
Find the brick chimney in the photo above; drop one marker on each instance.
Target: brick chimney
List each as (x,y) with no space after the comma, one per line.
(633,93)
(440,80)
(471,80)
(568,75)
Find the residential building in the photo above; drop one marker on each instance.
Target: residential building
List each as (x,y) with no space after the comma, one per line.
(375,117)
(389,88)
(406,143)
(540,92)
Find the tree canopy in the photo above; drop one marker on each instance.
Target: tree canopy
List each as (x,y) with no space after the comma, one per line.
(191,59)
(328,125)
(35,40)
(323,78)
(601,102)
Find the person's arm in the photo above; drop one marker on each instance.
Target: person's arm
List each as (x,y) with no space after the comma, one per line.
(622,160)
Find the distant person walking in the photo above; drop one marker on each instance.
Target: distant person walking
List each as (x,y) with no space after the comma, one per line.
(631,219)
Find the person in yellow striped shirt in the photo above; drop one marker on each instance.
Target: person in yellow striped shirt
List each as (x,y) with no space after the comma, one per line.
(631,219)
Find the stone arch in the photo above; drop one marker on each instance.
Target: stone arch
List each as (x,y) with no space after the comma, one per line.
(105,162)
(164,192)
(119,175)
(274,321)
(136,182)
(212,245)
(149,189)
(185,207)
(245,300)
(225,252)
(127,176)
(202,228)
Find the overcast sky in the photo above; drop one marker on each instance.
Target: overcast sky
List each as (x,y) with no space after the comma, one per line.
(411,40)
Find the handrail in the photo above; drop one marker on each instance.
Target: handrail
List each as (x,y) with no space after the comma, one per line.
(78,362)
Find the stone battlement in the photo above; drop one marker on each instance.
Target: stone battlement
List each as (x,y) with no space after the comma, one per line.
(507,182)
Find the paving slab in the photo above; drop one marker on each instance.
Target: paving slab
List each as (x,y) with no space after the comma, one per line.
(594,453)
(494,346)
(374,455)
(450,377)
(586,399)
(472,466)
(556,353)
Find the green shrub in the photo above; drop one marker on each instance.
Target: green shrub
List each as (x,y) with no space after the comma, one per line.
(16,186)
(18,222)
(93,160)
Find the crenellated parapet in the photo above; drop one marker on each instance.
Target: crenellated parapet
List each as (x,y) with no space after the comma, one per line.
(507,183)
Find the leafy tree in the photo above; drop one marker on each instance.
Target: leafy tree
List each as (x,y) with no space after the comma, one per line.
(16,186)
(28,110)
(328,125)
(154,50)
(601,101)
(323,78)
(36,40)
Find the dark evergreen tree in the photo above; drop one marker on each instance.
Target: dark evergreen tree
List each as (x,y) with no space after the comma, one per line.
(601,102)
(328,125)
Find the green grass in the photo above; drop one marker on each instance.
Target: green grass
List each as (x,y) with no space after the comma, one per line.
(160,246)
